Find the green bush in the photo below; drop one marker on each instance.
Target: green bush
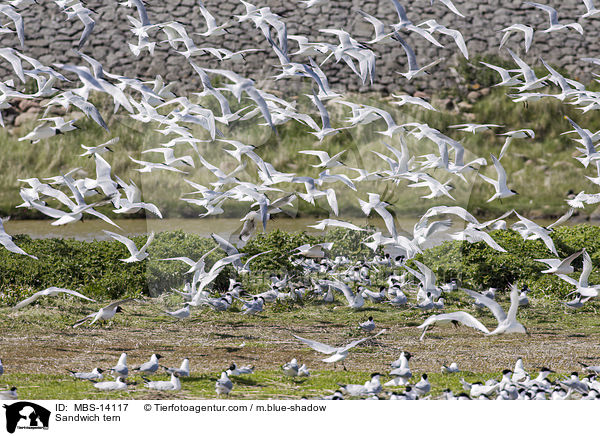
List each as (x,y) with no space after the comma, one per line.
(479,266)
(94,267)
(281,245)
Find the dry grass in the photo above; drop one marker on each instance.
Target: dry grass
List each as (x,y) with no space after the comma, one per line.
(38,346)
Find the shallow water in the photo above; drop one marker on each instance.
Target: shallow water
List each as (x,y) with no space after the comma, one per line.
(93,229)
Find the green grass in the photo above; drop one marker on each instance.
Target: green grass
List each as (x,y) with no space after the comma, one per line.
(261,385)
(548,159)
(48,346)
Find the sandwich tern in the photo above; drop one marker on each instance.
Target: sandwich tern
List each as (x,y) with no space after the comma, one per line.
(96,374)
(117,385)
(50,292)
(182,371)
(173,385)
(338,354)
(105,313)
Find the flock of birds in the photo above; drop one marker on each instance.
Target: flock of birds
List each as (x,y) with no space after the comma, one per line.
(515,384)
(268,191)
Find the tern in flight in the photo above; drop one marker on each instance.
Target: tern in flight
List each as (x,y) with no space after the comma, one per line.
(507,323)
(50,292)
(338,354)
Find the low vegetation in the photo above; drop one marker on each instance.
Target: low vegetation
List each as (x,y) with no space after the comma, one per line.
(541,169)
(94,267)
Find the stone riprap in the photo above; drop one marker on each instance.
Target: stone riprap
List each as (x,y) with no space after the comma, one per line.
(51,38)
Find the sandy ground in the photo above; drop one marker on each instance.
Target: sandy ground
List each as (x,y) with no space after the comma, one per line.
(213,343)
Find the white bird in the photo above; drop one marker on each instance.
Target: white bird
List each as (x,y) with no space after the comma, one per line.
(423,386)
(212,29)
(473,235)
(531,81)
(434,26)
(182,313)
(325,129)
(182,371)
(195,265)
(379,206)
(17,19)
(355,301)
(450,369)
(530,230)
(136,255)
(77,10)
(506,78)
(303,371)
(560,266)
(10,394)
(313,251)
(553,16)
(7,242)
(96,374)
(453,318)
(117,385)
(132,203)
(583,288)
(527,31)
(223,385)
(173,385)
(253,306)
(368,325)
(450,5)
(151,366)
(590,368)
(121,368)
(515,134)
(473,127)
(413,67)
(370,387)
(326,160)
(401,371)
(507,323)
(45,131)
(336,223)
(591,9)
(338,354)
(50,292)
(99,149)
(519,373)
(291,368)
(104,314)
(407,99)
(235,370)
(499,185)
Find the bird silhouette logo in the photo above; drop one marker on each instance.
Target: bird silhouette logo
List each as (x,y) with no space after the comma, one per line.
(26,415)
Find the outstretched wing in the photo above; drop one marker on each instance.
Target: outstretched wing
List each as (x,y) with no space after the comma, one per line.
(124,240)
(343,288)
(494,307)
(360,341)
(81,321)
(27,301)
(460,316)
(118,303)
(317,346)
(514,303)
(70,292)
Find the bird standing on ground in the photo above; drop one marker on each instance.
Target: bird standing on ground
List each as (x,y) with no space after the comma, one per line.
(104,314)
